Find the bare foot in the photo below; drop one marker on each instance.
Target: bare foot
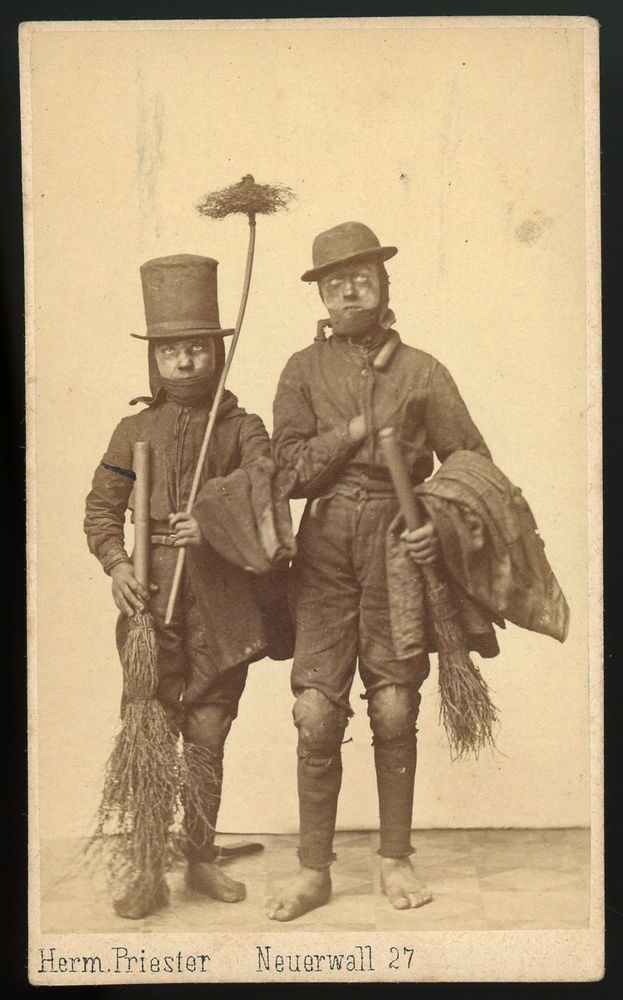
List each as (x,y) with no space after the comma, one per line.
(309,889)
(208,878)
(400,884)
(140,900)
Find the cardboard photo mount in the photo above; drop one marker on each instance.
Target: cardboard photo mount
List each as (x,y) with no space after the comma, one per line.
(473,145)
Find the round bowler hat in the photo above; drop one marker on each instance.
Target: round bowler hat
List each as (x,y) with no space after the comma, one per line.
(344,244)
(180,298)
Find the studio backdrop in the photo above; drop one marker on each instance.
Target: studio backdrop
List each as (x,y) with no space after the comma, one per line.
(469,157)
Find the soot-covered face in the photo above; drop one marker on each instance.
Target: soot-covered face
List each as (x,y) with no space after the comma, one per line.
(186,358)
(352,295)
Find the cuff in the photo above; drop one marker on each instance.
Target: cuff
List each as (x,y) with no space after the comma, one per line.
(112,559)
(203,519)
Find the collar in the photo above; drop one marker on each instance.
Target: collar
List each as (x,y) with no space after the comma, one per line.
(228,406)
(386,351)
(160,394)
(382,353)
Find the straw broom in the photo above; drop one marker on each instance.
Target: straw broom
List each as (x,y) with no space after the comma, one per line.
(466,709)
(146,771)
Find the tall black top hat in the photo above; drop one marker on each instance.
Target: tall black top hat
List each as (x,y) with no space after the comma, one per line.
(344,244)
(180,297)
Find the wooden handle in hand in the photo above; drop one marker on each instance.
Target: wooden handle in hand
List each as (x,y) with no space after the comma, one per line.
(142,544)
(400,478)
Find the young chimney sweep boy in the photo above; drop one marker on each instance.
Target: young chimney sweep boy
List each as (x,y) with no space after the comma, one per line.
(218,628)
(332,398)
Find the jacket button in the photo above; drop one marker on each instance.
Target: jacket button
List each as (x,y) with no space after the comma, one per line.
(364,372)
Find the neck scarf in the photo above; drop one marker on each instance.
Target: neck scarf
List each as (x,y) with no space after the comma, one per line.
(190,391)
(370,339)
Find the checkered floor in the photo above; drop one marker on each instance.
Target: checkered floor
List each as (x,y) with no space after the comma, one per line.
(481,880)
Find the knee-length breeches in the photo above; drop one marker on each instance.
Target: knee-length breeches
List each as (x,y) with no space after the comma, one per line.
(340,600)
(201,701)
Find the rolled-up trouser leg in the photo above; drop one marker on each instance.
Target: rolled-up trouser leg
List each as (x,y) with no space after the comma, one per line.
(321,726)
(393,713)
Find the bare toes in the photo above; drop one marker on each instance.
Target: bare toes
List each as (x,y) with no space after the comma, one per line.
(270,907)
(397,898)
(419,898)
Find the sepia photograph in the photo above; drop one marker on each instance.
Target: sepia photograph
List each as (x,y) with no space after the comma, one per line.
(314,490)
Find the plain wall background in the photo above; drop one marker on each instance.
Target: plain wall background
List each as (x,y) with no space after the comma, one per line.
(462,146)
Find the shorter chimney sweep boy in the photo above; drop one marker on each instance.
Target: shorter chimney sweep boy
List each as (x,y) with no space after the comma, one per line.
(223,615)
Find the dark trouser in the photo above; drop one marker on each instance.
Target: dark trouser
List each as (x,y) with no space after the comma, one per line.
(200,701)
(342,616)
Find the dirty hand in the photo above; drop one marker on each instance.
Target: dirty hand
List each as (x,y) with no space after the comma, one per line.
(128,594)
(358,430)
(422,543)
(186,529)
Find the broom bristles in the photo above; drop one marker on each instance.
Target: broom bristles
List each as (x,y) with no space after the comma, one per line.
(466,709)
(246,198)
(139,658)
(145,776)
(140,796)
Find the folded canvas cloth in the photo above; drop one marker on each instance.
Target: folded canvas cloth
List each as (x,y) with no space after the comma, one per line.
(245,519)
(245,516)
(493,557)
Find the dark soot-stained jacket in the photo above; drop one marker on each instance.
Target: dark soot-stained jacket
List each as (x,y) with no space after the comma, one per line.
(326,384)
(232,599)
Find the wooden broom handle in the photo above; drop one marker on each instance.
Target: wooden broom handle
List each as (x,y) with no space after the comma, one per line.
(142,526)
(400,477)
